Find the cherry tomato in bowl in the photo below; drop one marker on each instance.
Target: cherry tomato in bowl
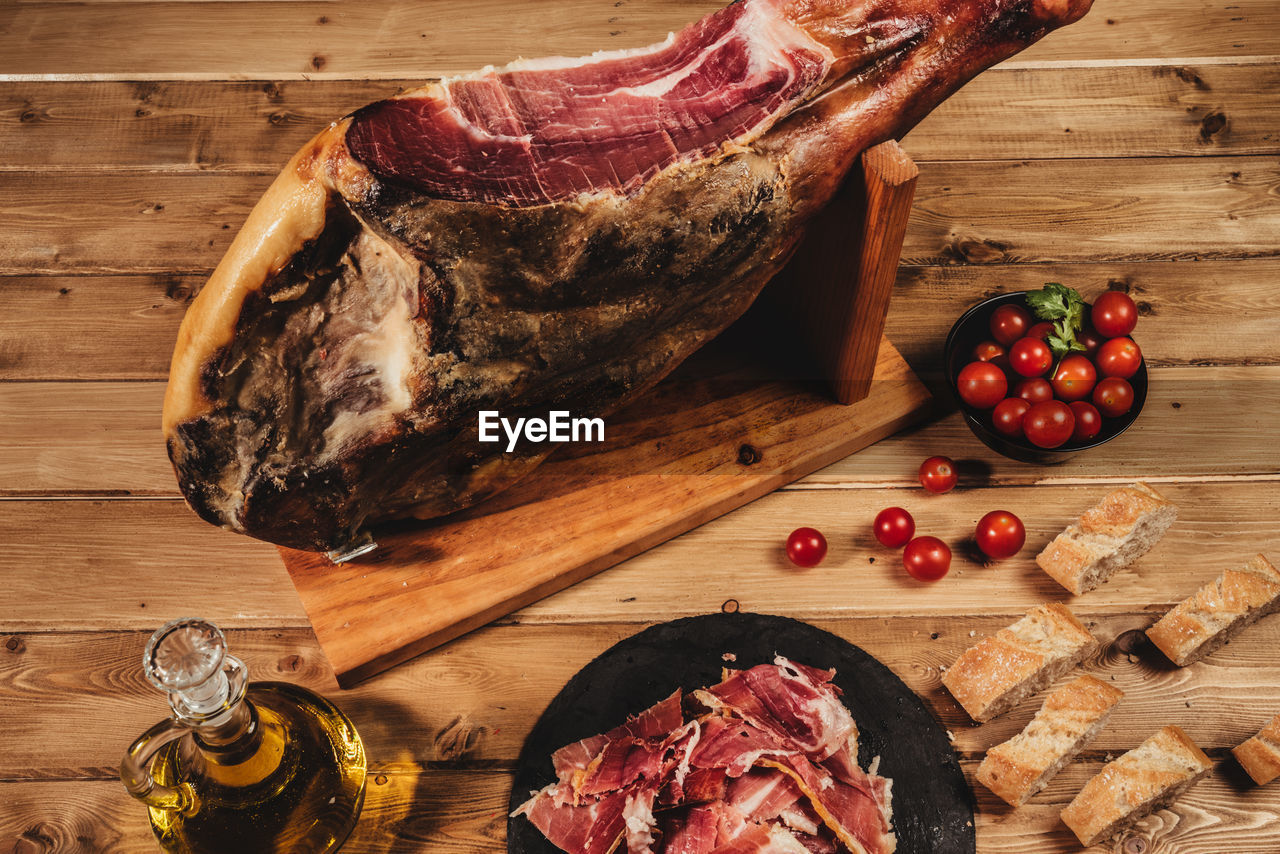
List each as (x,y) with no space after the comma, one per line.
(1119,357)
(894,527)
(1000,534)
(1113,397)
(1048,424)
(1030,357)
(982,384)
(1088,421)
(1009,323)
(1034,390)
(1074,379)
(1041,330)
(938,474)
(1114,314)
(926,558)
(1006,418)
(806,547)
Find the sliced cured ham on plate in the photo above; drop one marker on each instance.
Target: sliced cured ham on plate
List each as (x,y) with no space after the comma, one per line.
(803,744)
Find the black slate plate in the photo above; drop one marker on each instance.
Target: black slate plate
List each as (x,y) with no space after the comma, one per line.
(932,804)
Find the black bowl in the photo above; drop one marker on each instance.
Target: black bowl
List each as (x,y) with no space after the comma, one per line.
(972,329)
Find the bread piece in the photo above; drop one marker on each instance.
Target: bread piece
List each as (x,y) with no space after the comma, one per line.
(1145,779)
(1069,719)
(996,674)
(1260,755)
(1210,617)
(1112,534)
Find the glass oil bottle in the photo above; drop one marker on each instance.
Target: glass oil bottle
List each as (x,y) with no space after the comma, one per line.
(241,767)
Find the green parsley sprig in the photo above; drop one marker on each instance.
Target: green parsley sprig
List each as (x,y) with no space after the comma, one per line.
(1065,308)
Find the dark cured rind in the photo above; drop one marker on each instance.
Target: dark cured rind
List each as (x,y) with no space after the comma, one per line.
(578,305)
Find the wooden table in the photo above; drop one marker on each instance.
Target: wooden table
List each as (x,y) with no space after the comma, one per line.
(1135,150)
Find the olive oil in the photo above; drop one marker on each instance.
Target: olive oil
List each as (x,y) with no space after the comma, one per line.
(242,767)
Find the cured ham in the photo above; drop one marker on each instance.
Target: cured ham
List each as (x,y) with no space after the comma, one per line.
(554,235)
(749,770)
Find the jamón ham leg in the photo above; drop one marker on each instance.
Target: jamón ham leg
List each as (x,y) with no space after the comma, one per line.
(555,234)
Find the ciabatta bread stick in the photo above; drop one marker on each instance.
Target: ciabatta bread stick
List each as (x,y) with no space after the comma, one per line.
(995,675)
(1116,531)
(1260,755)
(1216,612)
(1147,778)
(1069,719)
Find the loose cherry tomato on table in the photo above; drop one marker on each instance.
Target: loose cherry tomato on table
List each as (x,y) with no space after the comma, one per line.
(1041,330)
(1048,424)
(982,385)
(1114,314)
(1088,421)
(926,558)
(1034,390)
(1030,357)
(1091,341)
(1119,357)
(1009,323)
(894,527)
(988,351)
(1000,534)
(806,547)
(1113,397)
(1074,379)
(938,474)
(1006,418)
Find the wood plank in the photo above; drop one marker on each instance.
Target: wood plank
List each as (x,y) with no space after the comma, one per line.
(68,327)
(472,703)
(399,37)
(443,810)
(103,438)
(1006,113)
(127,549)
(964,213)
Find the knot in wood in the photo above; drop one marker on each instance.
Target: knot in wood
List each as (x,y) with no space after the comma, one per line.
(380,780)
(748,455)
(1135,845)
(1131,642)
(291,663)
(457,739)
(730,606)
(15,644)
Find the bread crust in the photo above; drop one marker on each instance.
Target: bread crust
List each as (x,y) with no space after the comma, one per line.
(994,674)
(1147,777)
(1214,613)
(1108,536)
(1069,719)
(1260,755)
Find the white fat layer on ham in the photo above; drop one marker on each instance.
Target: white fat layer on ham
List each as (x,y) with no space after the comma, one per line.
(638,814)
(682,769)
(795,818)
(386,348)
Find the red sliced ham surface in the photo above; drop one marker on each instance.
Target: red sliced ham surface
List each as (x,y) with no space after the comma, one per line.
(548,130)
(766,763)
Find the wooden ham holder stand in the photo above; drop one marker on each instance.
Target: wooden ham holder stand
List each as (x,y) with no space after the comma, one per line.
(728,426)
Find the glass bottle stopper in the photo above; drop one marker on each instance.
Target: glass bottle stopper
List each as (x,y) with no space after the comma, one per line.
(187,658)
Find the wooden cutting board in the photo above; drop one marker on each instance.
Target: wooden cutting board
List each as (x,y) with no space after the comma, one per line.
(729,426)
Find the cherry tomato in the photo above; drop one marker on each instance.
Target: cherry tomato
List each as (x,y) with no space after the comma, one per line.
(1006,418)
(1119,357)
(1114,314)
(1000,534)
(926,558)
(988,351)
(1088,421)
(982,385)
(1041,330)
(1113,397)
(1074,379)
(1030,357)
(938,474)
(806,547)
(1009,323)
(1034,390)
(1048,424)
(894,527)
(1091,341)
